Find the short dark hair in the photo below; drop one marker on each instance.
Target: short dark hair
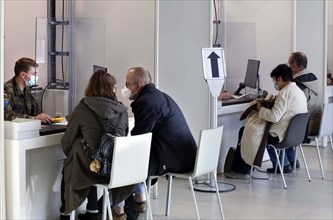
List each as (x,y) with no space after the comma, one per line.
(24,65)
(283,71)
(101,84)
(300,59)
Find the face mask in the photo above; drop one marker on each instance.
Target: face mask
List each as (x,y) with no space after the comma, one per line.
(33,81)
(276,87)
(126,93)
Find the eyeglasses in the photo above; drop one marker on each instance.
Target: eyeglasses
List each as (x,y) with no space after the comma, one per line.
(129,84)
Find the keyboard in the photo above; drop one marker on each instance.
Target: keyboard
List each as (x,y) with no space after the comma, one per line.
(52,129)
(245,99)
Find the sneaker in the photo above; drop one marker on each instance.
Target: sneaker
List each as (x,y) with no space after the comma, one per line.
(122,216)
(141,207)
(234,175)
(286,169)
(88,216)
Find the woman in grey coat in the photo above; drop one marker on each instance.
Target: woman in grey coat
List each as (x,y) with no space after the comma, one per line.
(99,105)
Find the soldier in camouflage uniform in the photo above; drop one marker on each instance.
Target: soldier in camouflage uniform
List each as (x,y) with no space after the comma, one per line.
(21,103)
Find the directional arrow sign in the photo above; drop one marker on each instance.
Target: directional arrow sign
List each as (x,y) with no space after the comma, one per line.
(214,69)
(213,63)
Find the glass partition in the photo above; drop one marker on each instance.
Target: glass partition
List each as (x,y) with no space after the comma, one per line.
(77,47)
(240,45)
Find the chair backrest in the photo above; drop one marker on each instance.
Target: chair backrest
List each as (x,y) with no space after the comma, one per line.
(326,124)
(296,131)
(208,151)
(130,160)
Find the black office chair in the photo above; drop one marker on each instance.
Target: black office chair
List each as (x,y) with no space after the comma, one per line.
(294,137)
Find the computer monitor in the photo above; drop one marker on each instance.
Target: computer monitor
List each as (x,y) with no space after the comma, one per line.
(252,75)
(96,67)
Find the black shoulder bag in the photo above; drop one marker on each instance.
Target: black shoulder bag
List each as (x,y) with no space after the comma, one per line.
(102,158)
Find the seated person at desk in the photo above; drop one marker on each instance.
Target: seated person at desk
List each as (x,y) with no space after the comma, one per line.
(100,105)
(289,101)
(21,103)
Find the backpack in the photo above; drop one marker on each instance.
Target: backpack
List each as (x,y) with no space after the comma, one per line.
(102,158)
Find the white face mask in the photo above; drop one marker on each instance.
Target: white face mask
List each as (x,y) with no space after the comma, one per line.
(126,93)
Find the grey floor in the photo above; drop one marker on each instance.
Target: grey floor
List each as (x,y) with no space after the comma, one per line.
(262,199)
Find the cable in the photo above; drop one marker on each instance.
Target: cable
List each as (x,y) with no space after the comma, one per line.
(41,98)
(216,24)
(62,40)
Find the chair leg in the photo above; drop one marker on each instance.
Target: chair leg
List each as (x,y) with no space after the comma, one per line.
(251,173)
(155,191)
(218,193)
(295,159)
(109,206)
(72,216)
(149,185)
(319,158)
(305,164)
(167,208)
(148,212)
(330,136)
(281,169)
(105,197)
(194,199)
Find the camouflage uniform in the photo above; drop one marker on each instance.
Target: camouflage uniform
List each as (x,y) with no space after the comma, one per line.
(21,103)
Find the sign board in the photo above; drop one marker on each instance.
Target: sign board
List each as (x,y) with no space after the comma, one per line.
(214,69)
(213,63)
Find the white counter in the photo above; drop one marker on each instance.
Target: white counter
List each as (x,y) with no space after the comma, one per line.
(32,166)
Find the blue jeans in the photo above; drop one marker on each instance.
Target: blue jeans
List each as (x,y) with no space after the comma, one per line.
(289,156)
(139,189)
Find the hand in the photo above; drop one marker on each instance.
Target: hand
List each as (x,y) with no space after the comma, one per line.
(224,95)
(45,118)
(258,106)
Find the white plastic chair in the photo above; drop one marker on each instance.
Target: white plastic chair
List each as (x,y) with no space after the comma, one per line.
(125,169)
(206,163)
(326,129)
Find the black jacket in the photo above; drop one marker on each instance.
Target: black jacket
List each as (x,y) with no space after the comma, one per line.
(173,147)
(82,122)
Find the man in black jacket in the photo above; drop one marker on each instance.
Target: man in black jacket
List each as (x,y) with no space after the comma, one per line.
(173,148)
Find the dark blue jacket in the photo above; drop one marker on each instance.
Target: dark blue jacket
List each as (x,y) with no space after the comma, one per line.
(173,147)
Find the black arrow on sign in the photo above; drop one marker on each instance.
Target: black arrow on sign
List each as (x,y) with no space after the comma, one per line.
(213,62)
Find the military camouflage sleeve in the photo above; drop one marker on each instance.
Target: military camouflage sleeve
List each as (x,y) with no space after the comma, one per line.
(9,113)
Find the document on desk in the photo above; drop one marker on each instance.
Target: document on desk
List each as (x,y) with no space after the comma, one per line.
(237,96)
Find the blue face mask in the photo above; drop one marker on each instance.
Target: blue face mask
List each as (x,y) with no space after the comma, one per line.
(32,81)
(276,87)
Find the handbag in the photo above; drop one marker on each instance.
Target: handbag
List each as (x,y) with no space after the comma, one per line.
(102,158)
(229,160)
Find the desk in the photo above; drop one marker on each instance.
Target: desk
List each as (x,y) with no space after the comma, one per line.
(32,166)
(228,116)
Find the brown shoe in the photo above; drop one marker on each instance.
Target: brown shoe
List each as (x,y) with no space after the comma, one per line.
(122,216)
(141,207)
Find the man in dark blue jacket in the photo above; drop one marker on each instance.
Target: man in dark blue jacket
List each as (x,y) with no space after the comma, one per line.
(173,148)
